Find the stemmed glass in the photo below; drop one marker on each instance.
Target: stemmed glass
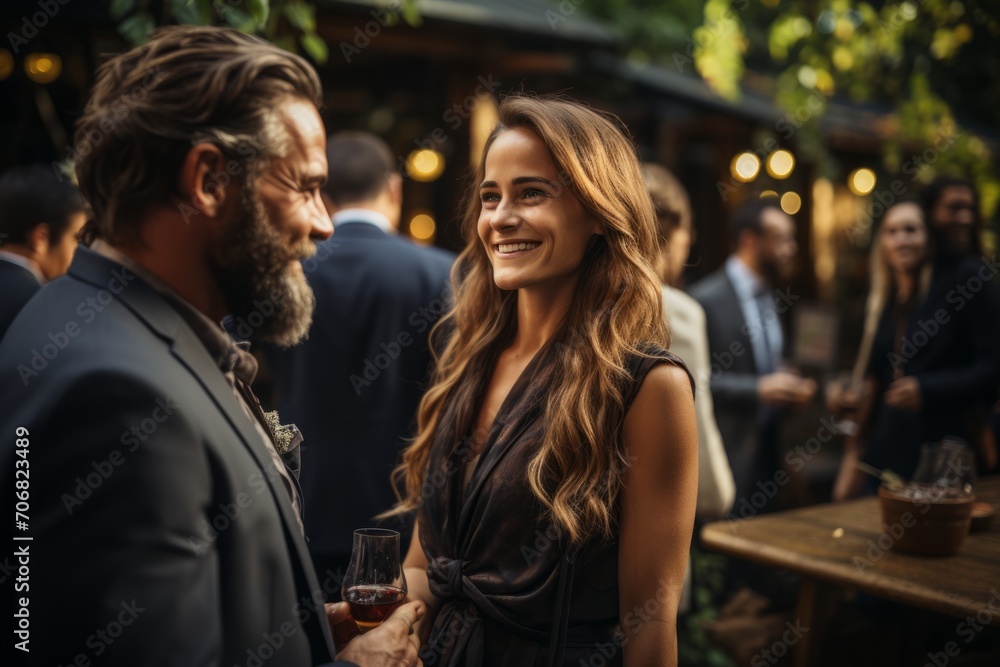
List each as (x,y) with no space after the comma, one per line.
(374,584)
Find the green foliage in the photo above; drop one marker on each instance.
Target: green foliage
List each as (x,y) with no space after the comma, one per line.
(719,46)
(694,646)
(922,59)
(288,23)
(137,26)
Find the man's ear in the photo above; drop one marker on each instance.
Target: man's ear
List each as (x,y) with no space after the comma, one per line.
(204,179)
(746,239)
(395,184)
(39,238)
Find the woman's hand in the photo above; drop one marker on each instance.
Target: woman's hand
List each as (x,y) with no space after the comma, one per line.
(904,394)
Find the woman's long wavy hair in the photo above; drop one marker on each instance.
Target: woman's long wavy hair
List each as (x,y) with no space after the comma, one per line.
(578,470)
(882,285)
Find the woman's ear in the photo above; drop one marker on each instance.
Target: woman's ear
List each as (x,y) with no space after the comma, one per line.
(597,227)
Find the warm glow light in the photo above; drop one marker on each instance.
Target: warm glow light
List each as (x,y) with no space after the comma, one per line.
(425,165)
(791,202)
(43,67)
(6,64)
(824,247)
(422,227)
(485,116)
(768,193)
(745,167)
(780,164)
(861,181)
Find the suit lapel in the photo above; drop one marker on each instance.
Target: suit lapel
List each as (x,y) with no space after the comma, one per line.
(737,309)
(154,311)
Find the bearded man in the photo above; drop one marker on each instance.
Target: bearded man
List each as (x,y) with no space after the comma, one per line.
(743,300)
(162,521)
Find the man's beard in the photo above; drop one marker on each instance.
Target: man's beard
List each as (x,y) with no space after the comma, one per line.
(261,284)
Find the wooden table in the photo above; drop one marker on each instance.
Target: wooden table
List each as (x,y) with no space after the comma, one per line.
(839,544)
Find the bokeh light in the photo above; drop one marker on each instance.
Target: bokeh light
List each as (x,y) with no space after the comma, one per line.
(780,164)
(43,67)
(745,167)
(791,202)
(425,165)
(861,181)
(6,64)
(422,227)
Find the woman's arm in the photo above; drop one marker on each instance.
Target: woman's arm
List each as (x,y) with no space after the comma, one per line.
(657,515)
(415,570)
(850,479)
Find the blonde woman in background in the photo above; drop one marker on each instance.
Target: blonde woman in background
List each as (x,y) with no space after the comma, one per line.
(900,274)
(555,470)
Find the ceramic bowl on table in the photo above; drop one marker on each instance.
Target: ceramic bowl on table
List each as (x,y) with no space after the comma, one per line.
(925,519)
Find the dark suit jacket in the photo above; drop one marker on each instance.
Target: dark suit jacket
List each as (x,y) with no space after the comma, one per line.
(353,386)
(161,533)
(951,348)
(19,285)
(749,441)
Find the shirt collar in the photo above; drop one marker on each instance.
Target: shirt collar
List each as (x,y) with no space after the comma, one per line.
(746,283)
(223,349)
(25,263)
(363,215)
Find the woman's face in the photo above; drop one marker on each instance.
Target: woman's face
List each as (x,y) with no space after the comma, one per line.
(904,237)
(534,228)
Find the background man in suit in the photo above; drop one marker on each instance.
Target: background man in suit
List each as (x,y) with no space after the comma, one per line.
(40,217)
(353,386)
(746,341)
(162,527)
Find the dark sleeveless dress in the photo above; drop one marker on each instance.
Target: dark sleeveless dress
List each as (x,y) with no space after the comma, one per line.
(494,561)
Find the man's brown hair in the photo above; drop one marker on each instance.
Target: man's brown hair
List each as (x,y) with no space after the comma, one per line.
(187,85)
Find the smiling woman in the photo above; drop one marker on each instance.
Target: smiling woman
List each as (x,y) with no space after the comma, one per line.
(557,419)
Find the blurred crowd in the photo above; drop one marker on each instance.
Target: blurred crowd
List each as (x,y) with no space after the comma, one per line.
(927,367)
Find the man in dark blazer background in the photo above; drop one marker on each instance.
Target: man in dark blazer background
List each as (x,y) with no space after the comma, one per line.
(354,385)
(157,510)
(41,215)
(749,386)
